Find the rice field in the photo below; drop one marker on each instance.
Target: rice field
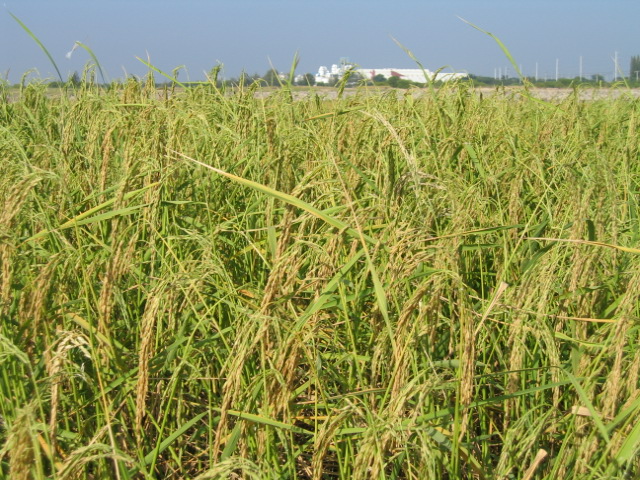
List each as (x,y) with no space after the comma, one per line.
(215,283)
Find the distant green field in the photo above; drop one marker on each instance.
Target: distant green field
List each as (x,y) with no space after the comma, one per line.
(222,284)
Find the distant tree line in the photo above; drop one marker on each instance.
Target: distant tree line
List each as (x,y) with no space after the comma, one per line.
(273,78)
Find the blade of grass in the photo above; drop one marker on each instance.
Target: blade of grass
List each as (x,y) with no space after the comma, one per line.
(597,418)
(430,85)
(630,447)
(82,219)
(164,74)
(251,417)
(516,67)
(502,46)
(149,458)
(292,70)
(588,242)
(296,202)
(94,58)
(40,44)
(334,114)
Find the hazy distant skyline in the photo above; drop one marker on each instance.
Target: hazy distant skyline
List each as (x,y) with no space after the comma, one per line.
(248,34)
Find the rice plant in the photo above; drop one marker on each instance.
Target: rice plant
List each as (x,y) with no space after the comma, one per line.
(221,284)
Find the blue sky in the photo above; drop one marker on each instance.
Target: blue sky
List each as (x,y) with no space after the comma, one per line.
(248,34)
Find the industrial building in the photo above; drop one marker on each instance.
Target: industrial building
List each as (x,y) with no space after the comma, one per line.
(329,75)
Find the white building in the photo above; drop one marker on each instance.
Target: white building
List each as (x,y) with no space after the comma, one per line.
(326,75)
(411,74)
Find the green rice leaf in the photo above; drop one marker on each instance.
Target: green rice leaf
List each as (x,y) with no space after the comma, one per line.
(82,219)
(588,242)
(40,44)
(251,417)
(290,199)
(162,446)
(164,74)
(94,58)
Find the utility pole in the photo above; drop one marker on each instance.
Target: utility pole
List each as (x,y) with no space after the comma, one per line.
(580,67)
(536,71)
(557,68)
(615,67)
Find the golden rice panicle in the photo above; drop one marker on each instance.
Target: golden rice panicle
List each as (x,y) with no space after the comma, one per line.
(9,214)
(22,446)
(56,357)
(145,354)
(623,335)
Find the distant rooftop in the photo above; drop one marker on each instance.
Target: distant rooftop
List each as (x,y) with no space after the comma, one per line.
(327,75)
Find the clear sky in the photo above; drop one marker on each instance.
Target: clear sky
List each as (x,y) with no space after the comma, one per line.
(248,34)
